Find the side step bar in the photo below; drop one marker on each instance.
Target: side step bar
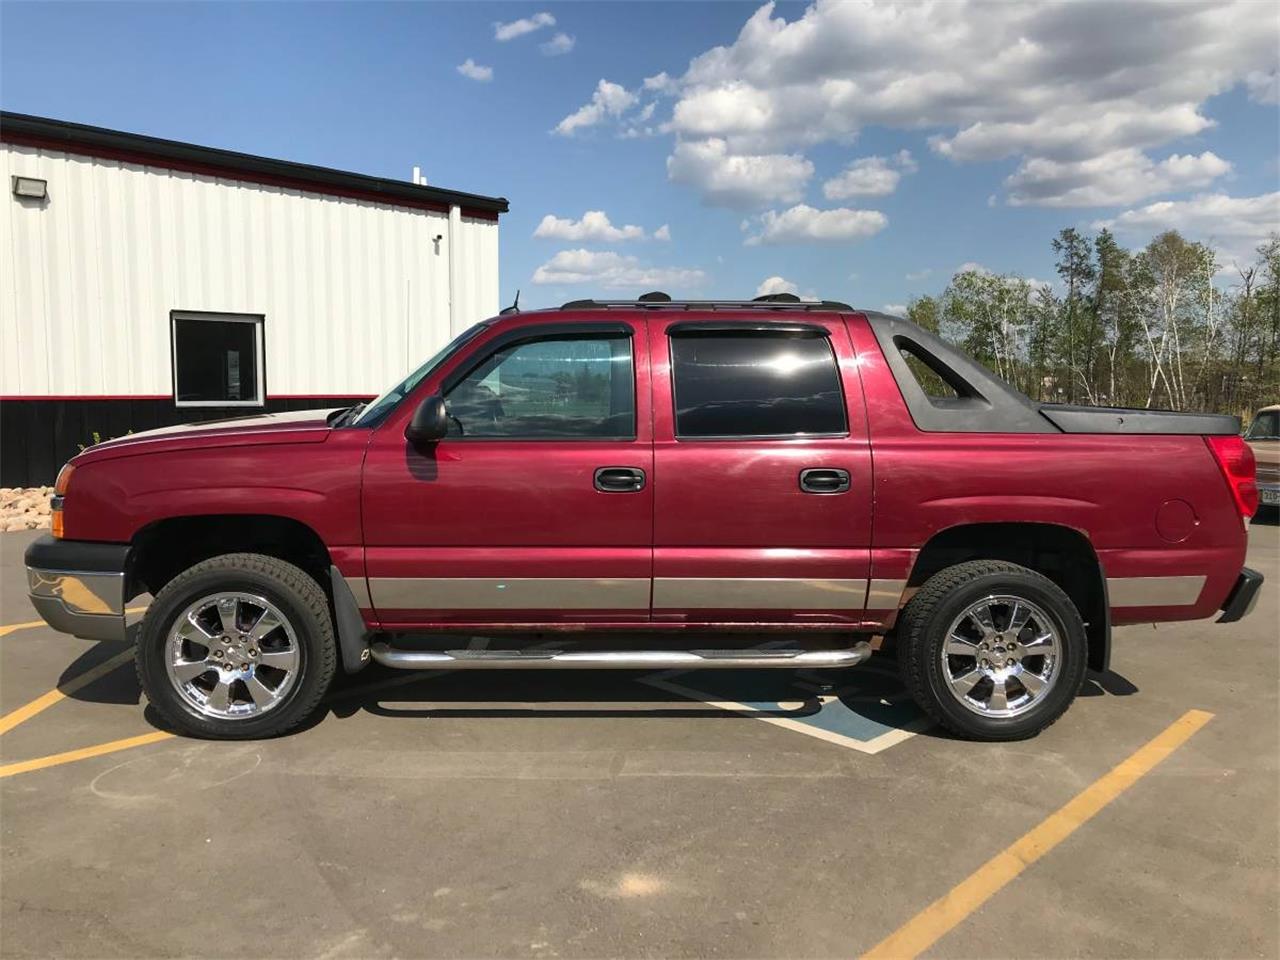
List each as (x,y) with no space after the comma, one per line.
(617,659)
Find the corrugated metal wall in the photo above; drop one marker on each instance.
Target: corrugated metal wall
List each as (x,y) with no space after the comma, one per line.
(355,293)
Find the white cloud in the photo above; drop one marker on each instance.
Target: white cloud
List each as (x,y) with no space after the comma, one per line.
(611,270)
(560,43)
(609,100)
(1111,179)
(1058,82)
(662,233)
(1264,86)
(905,161)
(473,71)
(661,83)
(518,28)
(730,180)
(897,309)
(869,177)
(1233,226)
(776,285)
(804,224)
(594,226)
(918,274)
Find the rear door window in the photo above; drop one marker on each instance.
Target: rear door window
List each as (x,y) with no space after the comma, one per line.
(756,383)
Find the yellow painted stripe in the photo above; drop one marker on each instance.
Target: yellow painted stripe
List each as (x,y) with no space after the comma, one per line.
(47,700)
(929,925)
(85,753)
(9,628)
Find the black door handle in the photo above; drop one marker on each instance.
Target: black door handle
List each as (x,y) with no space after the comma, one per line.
(824,480)
(619,479)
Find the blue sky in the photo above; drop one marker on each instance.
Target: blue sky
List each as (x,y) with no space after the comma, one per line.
(778,155)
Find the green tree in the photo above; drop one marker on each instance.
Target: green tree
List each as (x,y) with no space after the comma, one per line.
(1076,270)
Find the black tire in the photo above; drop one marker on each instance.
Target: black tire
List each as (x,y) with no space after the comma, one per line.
(923,628)
(292,591)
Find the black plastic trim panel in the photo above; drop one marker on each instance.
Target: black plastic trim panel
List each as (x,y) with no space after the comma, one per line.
(48,553)
(710,328)
(1242,596)
(816,306)
(1074,419)
(984,403)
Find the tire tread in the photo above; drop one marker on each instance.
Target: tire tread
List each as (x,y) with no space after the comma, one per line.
(914,644)
(305,592)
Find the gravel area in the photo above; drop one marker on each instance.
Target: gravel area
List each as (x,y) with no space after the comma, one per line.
(24,508)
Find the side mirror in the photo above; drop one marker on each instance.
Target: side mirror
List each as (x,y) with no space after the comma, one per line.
(430,421)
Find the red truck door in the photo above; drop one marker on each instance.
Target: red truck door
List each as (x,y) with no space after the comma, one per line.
(538,505)
(762,472)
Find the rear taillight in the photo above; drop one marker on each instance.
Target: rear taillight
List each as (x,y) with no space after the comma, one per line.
(1237,464)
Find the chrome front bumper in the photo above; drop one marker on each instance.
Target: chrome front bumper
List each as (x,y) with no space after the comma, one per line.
(78,588)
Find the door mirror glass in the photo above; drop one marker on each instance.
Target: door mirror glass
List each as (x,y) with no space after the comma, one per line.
(430,421)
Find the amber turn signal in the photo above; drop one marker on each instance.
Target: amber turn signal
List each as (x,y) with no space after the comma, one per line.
(59,492)
(64,480)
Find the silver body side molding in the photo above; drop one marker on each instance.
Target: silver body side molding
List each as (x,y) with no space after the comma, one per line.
(1154,591)
(510,593)
(757,593)
(885,594)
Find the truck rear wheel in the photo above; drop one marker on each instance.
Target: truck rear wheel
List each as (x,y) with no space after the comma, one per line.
(992,650)
(237,647)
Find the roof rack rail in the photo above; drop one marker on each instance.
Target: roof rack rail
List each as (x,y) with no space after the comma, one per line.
(772,302)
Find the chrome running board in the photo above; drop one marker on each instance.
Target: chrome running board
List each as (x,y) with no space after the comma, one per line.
(617,659)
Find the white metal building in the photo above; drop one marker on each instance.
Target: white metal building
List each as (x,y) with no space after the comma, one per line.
(149,282)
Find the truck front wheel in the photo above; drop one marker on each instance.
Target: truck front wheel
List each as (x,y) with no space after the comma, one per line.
(992,650)
(236,647)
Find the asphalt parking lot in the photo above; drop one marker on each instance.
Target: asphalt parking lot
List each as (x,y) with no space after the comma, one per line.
(612,815)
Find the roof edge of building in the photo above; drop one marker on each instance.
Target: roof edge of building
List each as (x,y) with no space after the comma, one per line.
(23,129)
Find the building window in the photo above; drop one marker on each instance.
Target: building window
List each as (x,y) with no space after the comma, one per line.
(217,360)
(569,388)
(756,384)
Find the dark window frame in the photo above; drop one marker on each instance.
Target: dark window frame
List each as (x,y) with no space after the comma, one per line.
(258,320)
(805,331)
(523,335)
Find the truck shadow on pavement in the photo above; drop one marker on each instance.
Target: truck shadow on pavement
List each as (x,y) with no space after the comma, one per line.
(856,706)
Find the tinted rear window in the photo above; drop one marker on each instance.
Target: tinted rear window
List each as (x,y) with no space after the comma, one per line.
(756,384)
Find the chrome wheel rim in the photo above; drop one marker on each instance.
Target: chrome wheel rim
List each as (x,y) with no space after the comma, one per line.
(232,655)
(1002,656)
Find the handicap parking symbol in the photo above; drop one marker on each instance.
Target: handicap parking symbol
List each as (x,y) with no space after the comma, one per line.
(865,709)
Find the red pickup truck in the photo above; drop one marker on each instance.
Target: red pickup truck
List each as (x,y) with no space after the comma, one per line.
(655,484)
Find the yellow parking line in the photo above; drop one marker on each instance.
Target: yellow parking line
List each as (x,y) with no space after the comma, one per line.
(85,753)
(47,700)
(928,926)
(9,628)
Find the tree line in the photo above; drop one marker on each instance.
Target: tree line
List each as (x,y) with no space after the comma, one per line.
(1161,327)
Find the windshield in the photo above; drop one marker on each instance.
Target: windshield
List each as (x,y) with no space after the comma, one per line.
(1265,426)
(374,413)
